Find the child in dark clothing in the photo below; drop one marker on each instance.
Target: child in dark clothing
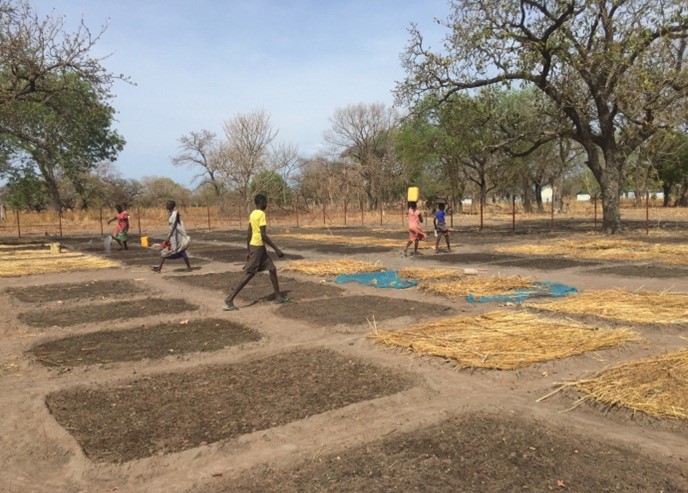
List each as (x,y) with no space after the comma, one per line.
(440,223)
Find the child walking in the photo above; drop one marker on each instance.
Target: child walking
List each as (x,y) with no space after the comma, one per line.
(174,247)
(257,258)
(416,233)
(121,233)
(440,223)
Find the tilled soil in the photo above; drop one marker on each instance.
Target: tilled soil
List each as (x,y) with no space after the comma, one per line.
(143,342)
(172,412)
(475,453)
(98,312)
(270,398)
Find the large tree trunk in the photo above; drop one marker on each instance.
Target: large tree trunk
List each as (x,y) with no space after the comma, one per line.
(610,187)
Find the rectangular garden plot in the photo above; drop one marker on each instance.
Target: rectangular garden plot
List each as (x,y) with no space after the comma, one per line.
(476,453)
(101,312)
(83,290)
(260,286)
(177,411)
(356,310)
(143,342)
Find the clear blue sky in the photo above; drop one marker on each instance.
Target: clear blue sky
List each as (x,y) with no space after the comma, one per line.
(198,63)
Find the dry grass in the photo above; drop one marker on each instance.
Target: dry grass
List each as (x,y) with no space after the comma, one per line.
(605,249)
(477,285)
(503,340)
(657,386)
(331,267)
(18,261)
(617,304)
(349,240)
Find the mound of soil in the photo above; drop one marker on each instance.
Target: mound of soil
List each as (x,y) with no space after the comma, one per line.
(545,263)
(143,343)
(92,290)
(99,312)
(177,411)
(356,310)
(468,258)
(651,271)
(472,454)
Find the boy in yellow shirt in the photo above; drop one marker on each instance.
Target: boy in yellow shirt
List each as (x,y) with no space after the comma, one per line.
(257,258)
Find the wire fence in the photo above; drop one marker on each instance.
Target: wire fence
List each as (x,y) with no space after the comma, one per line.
(646,214)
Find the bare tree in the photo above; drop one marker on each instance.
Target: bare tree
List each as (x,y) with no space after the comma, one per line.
(285,160)
(364,134)
(36,52)
(247,149)
(202,151)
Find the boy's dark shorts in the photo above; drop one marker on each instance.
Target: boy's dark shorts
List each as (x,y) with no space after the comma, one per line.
(258,260)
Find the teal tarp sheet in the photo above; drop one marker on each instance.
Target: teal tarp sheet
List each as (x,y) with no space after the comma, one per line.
(543,289)
(384,279)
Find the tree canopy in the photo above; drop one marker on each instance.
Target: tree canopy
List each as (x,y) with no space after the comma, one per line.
(614,71)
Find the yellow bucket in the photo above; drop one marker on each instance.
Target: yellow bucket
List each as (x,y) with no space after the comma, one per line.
(55,248)
(144,241)
(413,194)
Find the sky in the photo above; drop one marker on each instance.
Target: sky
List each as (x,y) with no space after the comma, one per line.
(196,64)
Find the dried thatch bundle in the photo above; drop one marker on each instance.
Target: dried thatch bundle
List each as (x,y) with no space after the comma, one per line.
(423,273)
(657,386)
(331,267)
(346,240)
(605,249)
(477,286)
(503,340)
(617,304)
(20,262)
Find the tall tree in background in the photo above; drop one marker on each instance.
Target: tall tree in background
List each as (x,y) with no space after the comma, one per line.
(364,134)
(614,70)
(64,139)
(247,149)
(202,150)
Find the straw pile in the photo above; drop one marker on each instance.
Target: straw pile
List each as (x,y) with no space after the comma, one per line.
(476,285)
(503,340)
(617,304)
(657,386)
(422,273)
(347,240)
(20,261)
(605,249)
(331,267)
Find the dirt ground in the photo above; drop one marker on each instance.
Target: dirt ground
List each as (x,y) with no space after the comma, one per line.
(132,381)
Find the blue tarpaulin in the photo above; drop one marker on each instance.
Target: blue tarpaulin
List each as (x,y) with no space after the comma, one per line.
(542,289)
(384,279)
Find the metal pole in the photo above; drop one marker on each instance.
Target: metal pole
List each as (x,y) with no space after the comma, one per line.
(138,217)
(59,216)
(18,226)
(402,212)
(102,233)
(647,213)
(551,220)
(595,209)
(482,201)
(345,202)
(513,212)
(296,208)
(324,215)
(380,214)
(451,216)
